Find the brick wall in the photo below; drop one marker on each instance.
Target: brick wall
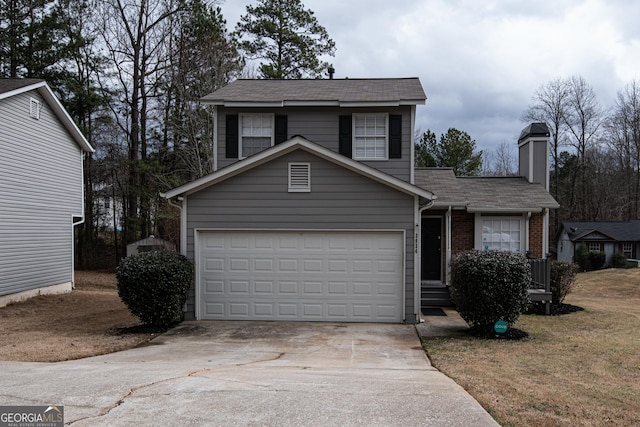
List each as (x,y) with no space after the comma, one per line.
(462,236)
(536,229)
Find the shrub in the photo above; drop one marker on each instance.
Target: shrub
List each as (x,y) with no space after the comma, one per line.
(582,258)
(154,286)
(563,277)
(487,286)
(597,260)
(619,260)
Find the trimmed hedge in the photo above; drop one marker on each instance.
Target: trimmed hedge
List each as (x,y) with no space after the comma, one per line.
(154,286)
(487,286)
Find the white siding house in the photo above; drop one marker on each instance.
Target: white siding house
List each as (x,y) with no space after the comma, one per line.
(41,190)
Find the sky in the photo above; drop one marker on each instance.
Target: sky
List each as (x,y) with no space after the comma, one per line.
(480,61)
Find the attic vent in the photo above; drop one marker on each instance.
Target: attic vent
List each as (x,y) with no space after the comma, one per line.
(34,108)
(299,177)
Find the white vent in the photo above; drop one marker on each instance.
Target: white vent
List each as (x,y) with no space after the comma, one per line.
(34,108)
(299,177)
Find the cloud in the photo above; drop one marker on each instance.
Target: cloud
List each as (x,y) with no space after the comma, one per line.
(480,62)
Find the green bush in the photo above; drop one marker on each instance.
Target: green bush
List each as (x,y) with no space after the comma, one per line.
(154,286)
(487,286)
(563,278)
(597,260)
(582,258)
(619,260)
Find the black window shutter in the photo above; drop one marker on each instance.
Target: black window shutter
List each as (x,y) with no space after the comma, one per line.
(280,129)
(344,136)
(395,137)
(232,136)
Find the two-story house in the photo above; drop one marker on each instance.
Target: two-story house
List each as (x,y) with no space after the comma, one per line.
(313,212)
(41,190)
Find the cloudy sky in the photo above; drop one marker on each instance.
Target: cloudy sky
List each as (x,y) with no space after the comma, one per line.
(480,61)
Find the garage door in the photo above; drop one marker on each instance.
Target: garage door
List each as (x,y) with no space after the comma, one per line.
(308,276)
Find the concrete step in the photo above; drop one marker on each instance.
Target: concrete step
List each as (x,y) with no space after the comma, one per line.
(435,296)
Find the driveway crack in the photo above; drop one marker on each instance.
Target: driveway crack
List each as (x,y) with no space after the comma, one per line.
(134,390)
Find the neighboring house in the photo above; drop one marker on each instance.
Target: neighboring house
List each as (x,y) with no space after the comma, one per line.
(41,190)
(315,212)
(607,237)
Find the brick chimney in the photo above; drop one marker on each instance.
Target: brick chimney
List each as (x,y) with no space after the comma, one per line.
(533,154)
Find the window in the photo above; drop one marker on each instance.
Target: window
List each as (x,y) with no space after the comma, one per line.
(505,234)
(627,249)
(299,177)
(370,136)
(594,247)
(34,108)
(256,133)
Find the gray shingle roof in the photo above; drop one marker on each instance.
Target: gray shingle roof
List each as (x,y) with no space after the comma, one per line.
(403,91)
(7,85)
(483,193)
(620,231)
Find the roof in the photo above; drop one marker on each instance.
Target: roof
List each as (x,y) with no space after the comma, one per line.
(297,143)
(484,194)
(8,85)
(13,87)
(534,129)
(619,231)
(319,92)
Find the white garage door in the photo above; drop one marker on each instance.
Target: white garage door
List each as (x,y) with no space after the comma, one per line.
(309,275)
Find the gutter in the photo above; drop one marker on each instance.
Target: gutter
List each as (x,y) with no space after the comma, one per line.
(183,220)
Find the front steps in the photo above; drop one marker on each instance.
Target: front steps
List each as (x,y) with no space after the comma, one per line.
(434,294)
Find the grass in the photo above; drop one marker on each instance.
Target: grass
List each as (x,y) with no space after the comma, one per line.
(579,369)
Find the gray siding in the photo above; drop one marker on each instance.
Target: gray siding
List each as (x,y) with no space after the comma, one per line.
(540,163)
(40,191)
(339,199)
(320,125)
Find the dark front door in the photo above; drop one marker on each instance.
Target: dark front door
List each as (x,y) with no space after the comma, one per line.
(431,249)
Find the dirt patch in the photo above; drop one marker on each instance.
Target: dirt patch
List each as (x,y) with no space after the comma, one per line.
(89,321)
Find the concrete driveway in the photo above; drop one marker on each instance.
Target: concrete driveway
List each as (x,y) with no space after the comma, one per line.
(252,373)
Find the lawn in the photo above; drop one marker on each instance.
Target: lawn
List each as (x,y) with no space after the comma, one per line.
(88,321)
(579,369)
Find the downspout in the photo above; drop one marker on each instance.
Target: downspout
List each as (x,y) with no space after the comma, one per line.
(417,262)
(75,223)
(526,233)
(183,222)
(545,233)
(447,231)
(73,247)
(215,138)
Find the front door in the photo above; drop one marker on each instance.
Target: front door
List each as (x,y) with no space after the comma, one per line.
(431,249)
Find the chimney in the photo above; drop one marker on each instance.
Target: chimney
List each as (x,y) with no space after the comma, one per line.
(533,154)
(331,72)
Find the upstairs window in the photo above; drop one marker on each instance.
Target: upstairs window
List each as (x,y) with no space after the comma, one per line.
(370,136)
(256,133)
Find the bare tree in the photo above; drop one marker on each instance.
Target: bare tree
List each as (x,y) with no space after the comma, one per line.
(549,105)
(135,33)
(500,162)
(584,118)
(623,139)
